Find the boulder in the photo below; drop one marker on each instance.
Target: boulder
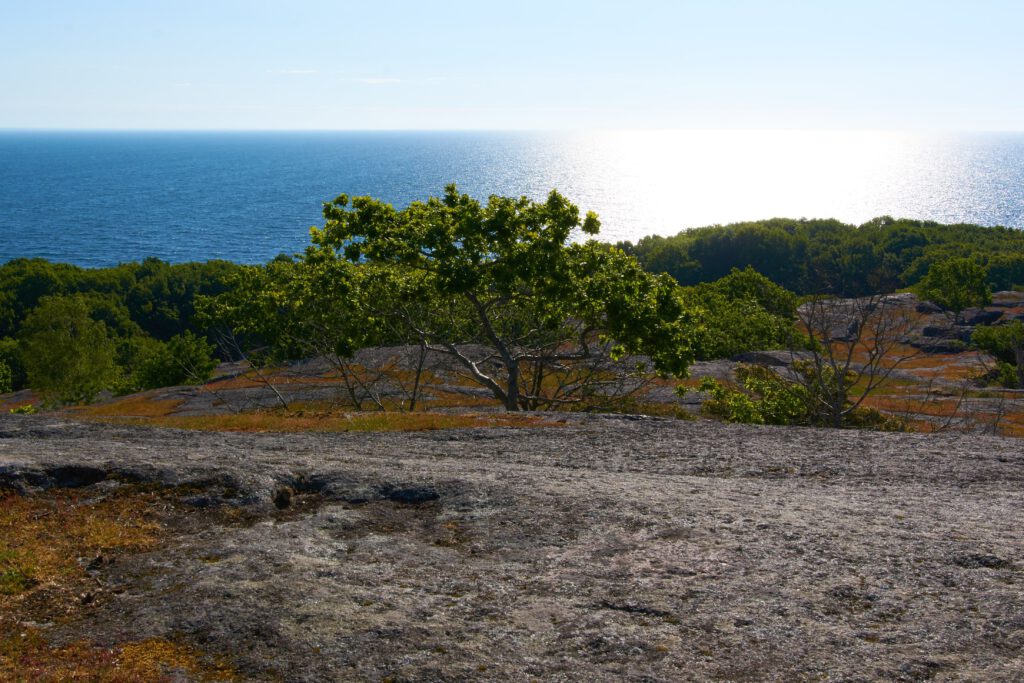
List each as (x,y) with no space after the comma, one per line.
(980,316)
(927,307)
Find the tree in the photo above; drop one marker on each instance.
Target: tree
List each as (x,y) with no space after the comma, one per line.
(69,357)
(745,312)
(316,305)
(6,383)
(11,357)
(956,284)
(184,359)
(854,346)
(1006,343)
(519,290)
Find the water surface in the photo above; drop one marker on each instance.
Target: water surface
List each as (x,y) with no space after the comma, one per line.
(102,198)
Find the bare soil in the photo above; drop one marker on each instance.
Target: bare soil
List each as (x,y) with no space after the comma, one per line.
(606,549)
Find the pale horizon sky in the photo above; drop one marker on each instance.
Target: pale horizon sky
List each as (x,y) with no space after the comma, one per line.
(319,65)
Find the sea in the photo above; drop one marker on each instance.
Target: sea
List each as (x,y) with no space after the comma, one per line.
(102,198)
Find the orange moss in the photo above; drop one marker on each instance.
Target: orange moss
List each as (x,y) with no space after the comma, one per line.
(384,421)
(136,405)
(25,655)
(41,575)
(40,538)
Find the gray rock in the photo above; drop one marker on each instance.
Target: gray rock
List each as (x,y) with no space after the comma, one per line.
(980,316)
(607,549)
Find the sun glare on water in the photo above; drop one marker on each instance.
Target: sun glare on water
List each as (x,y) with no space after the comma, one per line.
(672,180)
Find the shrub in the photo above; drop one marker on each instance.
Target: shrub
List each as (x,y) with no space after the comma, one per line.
(185,359)
(766,397)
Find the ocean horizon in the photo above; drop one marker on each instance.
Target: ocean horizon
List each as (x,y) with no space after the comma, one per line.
(97,198)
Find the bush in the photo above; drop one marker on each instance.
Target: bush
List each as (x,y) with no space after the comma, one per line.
(765,397)
(745,312)
(185,359)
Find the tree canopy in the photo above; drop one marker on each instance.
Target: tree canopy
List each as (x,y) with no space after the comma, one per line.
(825,256)
(514,284)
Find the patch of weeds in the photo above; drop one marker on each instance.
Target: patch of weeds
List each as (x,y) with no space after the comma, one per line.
(25,655)
(41,537)
(17,573)
(327,421)
(45,544)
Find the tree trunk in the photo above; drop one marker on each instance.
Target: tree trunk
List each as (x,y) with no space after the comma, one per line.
(1018,353)
(512,392)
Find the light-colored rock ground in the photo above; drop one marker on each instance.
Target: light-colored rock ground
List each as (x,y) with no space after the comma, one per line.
(607,549)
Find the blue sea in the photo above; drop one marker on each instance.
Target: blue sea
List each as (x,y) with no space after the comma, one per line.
(100,198)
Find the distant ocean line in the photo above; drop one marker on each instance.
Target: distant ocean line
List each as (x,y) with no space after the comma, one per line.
(100,198)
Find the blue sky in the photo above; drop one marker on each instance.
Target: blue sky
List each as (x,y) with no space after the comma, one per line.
(383,64)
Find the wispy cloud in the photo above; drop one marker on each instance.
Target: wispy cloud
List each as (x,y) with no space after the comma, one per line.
(377,81)
(293,72)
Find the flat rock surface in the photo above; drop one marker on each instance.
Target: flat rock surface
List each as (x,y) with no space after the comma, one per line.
(606,549)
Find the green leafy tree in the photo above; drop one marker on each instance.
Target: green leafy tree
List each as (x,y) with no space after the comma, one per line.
(10,355)
(184,359)
(316,305)
(6,383)
(1006,343)
(745,312)
(956,284)
(69,356)
(765,398)
(534,299)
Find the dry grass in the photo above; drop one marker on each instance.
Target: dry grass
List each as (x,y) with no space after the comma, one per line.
(41,538)
(45,541)
(323,421)
(25,655)
(136,405)
(309,417)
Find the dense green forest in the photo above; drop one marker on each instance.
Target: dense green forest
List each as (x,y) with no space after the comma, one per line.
(830,257)
(452,270)
(123,328)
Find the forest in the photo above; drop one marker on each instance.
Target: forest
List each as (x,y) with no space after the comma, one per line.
(830,257)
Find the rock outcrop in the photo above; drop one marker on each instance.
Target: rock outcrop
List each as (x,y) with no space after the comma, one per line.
(606,549)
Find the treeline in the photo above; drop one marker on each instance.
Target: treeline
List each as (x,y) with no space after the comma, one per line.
(123,328)
(831,257)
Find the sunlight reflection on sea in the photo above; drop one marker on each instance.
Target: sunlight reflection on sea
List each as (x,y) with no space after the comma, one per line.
(100,198)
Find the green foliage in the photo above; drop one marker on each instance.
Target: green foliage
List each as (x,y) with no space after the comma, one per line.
(512,282)
(69,356)
(185,359)
(1006,343)
(745,312)
(318,304)
(956,284)
(1008,375)
(6,383)
(155,296)
(765,398)
(826,256)
(750,285)
(27,409)
(11,357)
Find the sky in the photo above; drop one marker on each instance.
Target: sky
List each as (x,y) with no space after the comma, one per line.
(518,64)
